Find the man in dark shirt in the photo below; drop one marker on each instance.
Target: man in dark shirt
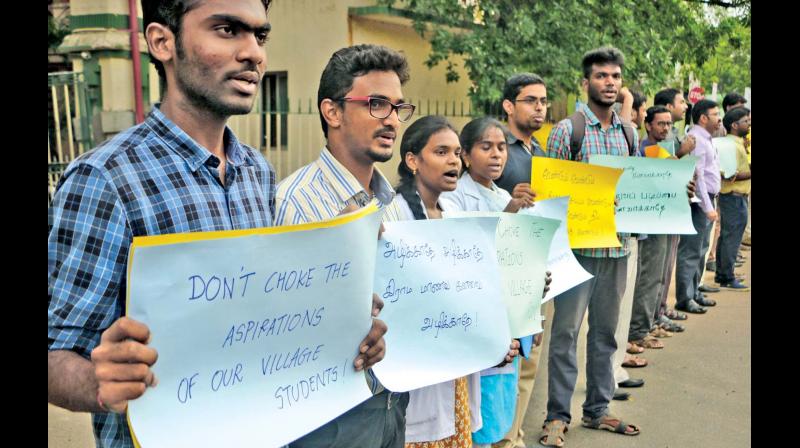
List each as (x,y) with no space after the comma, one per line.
(525,103)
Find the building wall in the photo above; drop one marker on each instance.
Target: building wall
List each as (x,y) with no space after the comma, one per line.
(305,33)
(426,88)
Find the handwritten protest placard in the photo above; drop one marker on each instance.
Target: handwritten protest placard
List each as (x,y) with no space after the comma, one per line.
(590,216)
(651,194)
(726,148)
(561,262)
(440,283)
(256,330)
(522,242)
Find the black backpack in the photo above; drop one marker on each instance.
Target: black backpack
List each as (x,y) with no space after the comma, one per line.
(579,130)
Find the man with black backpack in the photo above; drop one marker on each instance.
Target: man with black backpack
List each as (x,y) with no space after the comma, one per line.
(594,129)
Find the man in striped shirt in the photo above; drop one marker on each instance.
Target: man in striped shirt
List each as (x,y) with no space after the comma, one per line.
(602,69)
(361,107)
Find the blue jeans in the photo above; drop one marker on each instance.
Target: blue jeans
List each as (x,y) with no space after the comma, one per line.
(733,211)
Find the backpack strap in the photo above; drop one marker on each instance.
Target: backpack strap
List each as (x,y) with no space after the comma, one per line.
(578,131)
(628,130)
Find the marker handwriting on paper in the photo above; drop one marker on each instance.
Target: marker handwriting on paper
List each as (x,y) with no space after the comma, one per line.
(462,254)
(253,330)
(303,388)
(210,288)
(445,321)
(403,251)
(394,292)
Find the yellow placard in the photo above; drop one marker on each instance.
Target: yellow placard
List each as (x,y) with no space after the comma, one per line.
(590,214)
(656,152)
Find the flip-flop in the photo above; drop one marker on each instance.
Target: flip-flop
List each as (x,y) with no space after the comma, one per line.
(660,333)
(649,342)
(634,362)
(676,315)
(634,349)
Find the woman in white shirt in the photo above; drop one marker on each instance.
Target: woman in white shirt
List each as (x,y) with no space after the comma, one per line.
(483,143)
(484,161)
(443,415)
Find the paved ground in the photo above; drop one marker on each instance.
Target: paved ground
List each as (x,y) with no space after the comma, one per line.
(697,391)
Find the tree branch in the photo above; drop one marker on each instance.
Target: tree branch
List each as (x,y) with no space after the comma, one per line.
(732,4)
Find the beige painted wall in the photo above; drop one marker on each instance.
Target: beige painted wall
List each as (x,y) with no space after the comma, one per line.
(86,7)
(116,78)
(305,33)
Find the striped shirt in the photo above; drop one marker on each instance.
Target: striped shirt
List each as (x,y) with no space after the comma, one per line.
(596,140)
(323,188)
(151,179)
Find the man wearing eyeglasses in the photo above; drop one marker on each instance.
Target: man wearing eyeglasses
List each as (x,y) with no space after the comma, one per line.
(361,107)
(525,103)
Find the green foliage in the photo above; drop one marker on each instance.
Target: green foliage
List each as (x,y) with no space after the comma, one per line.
(729,65)
(549,37)
(55,32)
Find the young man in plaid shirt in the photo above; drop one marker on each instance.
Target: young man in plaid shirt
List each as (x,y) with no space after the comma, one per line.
(602,69)
(182,170)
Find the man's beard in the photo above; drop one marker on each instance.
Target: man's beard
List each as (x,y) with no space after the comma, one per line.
(527,126)
(379,157)
(597,97)
(187,74)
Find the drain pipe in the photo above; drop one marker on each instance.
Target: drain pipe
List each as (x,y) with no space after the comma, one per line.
(137,61)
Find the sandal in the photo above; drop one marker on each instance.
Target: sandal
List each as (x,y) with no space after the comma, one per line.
(604,422)
(553,433)
(672,327)
(649,343)
(634,349)
(675,315)
(659,332)
(634,361)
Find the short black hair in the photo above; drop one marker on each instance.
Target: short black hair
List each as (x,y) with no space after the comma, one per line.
(734,115)
(517,82)
(652,111)
(666,96)
(170,13)
(602,56)
(349,63)
(638,99)
(731,99)
(701,108)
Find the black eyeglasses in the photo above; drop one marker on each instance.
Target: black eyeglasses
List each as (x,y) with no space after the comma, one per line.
(381,108)
(532,101)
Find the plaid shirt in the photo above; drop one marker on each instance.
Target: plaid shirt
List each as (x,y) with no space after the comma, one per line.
(151,179)
(595,141)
